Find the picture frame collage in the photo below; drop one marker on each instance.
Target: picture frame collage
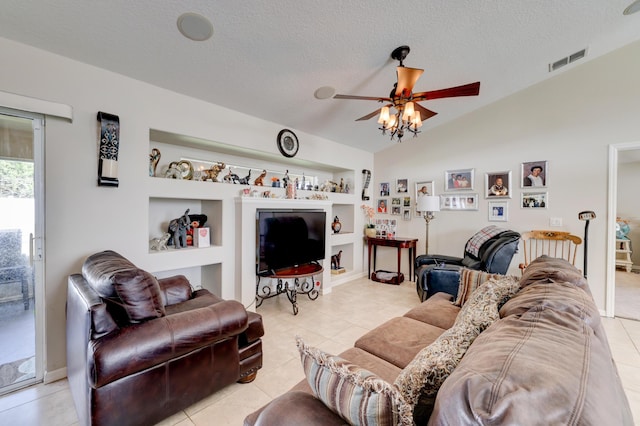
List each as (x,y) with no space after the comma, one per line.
(460,193)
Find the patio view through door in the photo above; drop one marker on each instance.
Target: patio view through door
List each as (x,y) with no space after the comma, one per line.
(21,257)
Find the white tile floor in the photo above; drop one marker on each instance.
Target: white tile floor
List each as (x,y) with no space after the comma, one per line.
(332,322)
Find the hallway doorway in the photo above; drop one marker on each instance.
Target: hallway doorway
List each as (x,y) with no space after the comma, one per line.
(623,281)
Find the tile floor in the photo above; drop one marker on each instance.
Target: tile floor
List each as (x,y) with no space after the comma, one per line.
(332,322)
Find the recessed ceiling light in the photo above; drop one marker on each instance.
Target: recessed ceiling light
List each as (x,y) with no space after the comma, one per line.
(632,8)
(195,27)
(324,92)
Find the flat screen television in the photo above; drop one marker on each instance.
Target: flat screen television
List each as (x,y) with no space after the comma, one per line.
(289,237)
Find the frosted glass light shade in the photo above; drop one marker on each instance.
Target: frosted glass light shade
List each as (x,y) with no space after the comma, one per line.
(407,115)
(384,115)
(428,203)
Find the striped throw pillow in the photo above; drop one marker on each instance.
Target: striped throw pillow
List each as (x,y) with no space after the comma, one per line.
(470,279)
(355,394)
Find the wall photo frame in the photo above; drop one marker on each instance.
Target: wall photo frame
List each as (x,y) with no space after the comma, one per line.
(498,211)
(382,206)
(458,180)
(534,200)
(384,189)
(534,174)
(459,202)
(497,184)
(402,186)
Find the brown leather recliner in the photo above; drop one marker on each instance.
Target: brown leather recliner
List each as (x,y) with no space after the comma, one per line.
(141,349)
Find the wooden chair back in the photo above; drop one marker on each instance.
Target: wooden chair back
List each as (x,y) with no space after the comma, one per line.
(551,243)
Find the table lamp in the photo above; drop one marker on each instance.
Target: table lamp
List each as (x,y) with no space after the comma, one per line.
(427,204)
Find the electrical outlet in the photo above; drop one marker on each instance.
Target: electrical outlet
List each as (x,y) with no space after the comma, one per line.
(555,221)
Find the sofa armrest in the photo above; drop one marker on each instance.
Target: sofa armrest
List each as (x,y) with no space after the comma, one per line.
(175,289)
(141,346)
(435,279)
(308,410)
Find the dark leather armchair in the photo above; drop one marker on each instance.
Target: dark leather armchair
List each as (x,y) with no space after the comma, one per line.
(141,349)
(489,250)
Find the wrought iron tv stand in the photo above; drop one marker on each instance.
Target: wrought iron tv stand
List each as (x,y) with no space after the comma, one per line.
(291,282)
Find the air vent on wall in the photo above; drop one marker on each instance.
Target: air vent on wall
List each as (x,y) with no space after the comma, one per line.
(567,60)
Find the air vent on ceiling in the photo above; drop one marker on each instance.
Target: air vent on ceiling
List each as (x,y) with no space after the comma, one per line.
(567,60)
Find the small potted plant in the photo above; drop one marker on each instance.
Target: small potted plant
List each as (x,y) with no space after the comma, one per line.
(369,228)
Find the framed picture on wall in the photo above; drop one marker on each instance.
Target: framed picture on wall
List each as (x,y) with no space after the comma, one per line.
(458,180)
(459,202)
(384,189)
(402,186)
(395,201)
(534,174)
(406,214)
(382,206)
(498,211)
(497,184)
(534,200)
(395,210)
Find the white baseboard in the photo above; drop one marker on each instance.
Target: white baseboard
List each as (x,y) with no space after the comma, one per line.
(55,375)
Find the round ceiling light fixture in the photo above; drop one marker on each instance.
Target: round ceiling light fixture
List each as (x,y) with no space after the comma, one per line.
(195,26)
(632,8)
(324,92)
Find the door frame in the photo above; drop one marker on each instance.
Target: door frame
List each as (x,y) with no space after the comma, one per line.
(38,125)
(612,203)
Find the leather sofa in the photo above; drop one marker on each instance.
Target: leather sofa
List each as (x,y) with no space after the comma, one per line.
(141,349)
(543,360)
(437,272)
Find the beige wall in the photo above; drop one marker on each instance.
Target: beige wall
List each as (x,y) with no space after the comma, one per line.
(568,120)
(82,218)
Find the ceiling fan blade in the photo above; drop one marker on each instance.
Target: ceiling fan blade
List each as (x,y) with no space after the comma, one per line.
(407,78)
(373,114)
(363,98)
(424,113)
(471,89)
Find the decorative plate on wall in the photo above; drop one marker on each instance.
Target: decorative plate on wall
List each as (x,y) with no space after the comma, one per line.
(288,143)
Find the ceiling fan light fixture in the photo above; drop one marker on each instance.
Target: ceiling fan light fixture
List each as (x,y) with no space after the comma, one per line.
(408,113)
(384,115)
(417,120)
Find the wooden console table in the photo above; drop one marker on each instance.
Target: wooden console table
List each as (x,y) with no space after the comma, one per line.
(397,242)
(291,289)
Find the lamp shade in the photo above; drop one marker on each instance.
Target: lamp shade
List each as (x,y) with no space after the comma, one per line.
(428,203)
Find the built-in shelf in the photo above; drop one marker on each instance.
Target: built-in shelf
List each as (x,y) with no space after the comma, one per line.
(227,267)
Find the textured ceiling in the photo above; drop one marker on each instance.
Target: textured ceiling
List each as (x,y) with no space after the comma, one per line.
(266,58)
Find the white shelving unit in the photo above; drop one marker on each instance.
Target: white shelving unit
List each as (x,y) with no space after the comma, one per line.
(228,267)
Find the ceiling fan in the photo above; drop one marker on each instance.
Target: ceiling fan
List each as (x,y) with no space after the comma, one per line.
(409,113)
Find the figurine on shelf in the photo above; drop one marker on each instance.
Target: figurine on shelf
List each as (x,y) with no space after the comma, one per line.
(341,186)
(231,177)
(245,180)
(285,179)
(160,243)
(178,228)
(335,260)
(260,179)
(173,172)
(154,158)
(336,226)
(213,172)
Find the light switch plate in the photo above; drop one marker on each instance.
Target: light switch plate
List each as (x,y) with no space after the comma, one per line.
(555,221)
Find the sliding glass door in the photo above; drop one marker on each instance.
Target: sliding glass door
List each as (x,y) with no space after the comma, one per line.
(21,244)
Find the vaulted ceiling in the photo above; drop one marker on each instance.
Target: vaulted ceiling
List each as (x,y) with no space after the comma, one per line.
(267,58)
